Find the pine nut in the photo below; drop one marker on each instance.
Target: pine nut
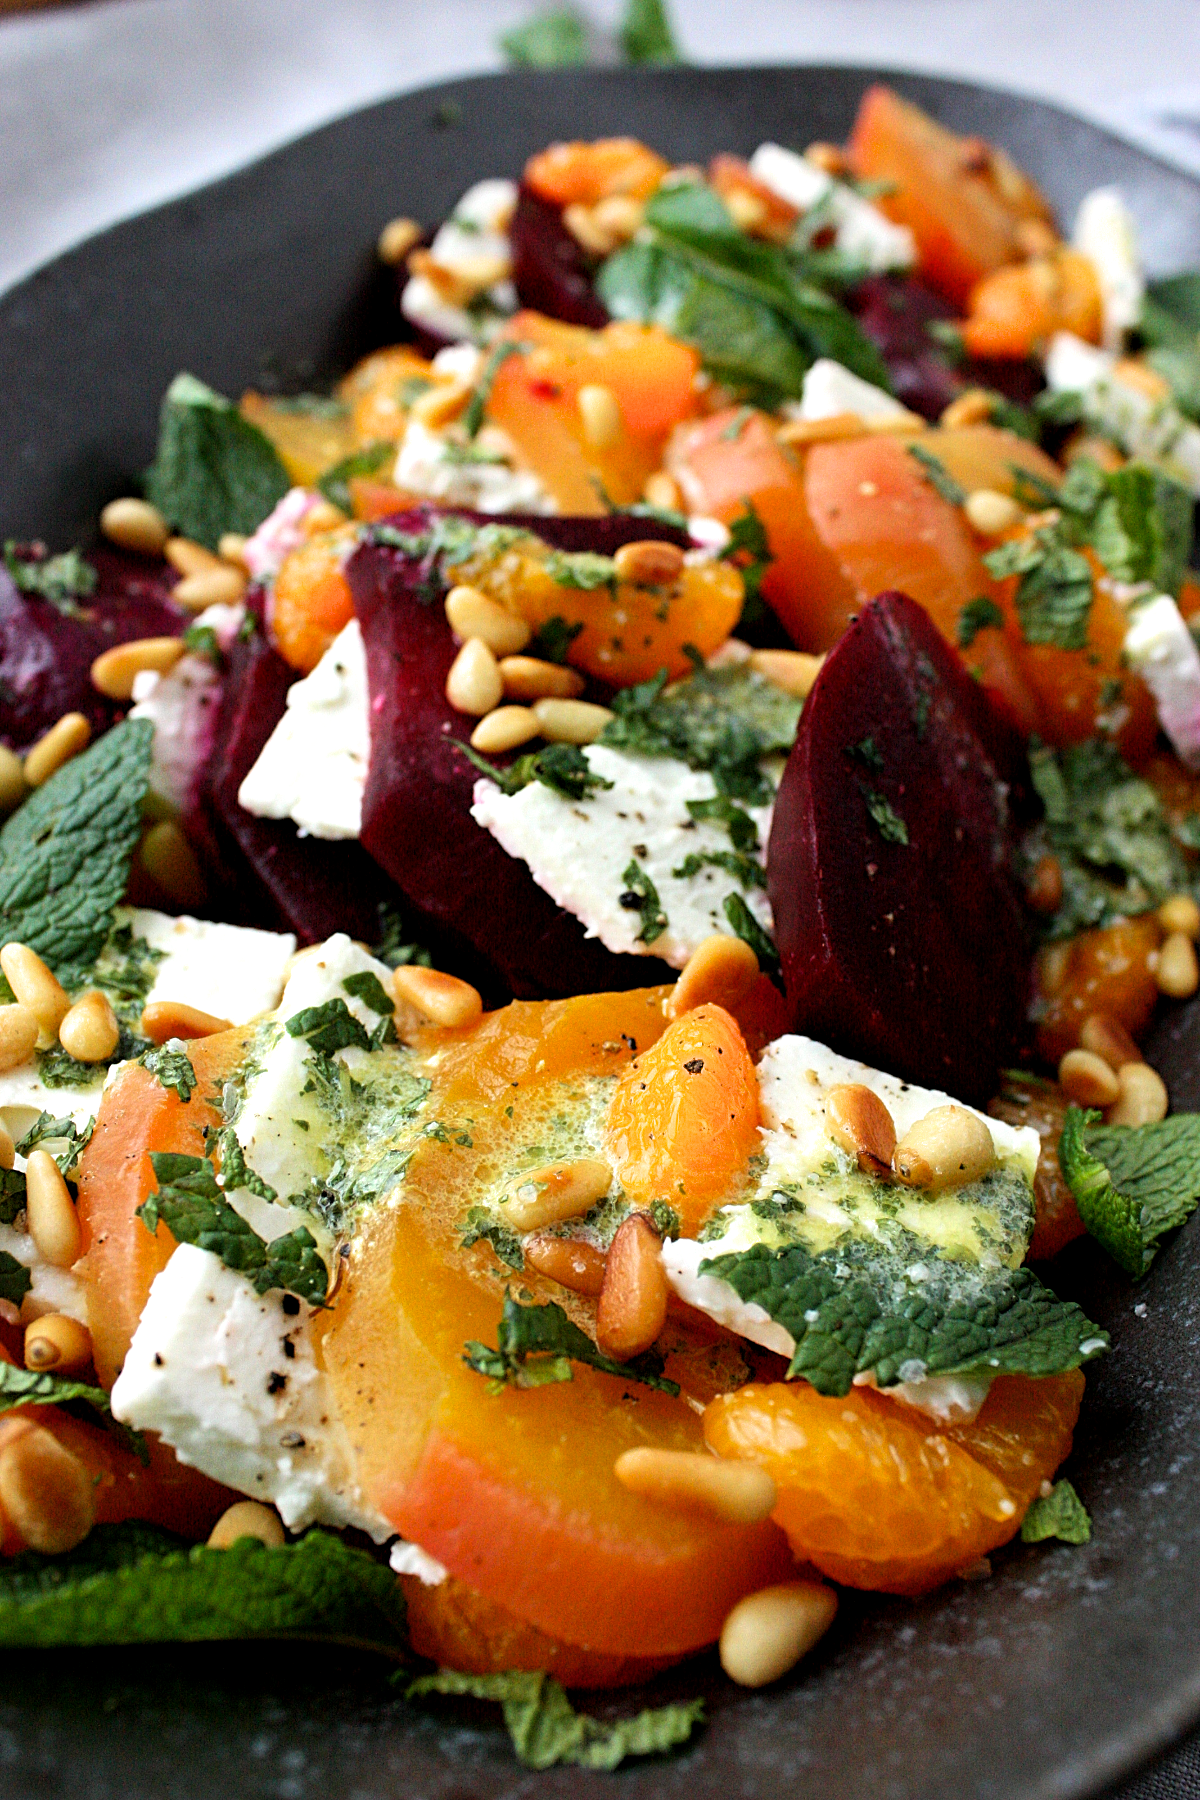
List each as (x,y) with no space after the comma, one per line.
(529,678)
(219,586)
(46,1492)
(1144,1099)
(1180,913)
(791,670)
(246,1519)
(588,233)
(905,424)
(1053,966)
(187,557)
(568,1261)
(165,1019)
(860,1124)
(397,238)
(324,516)
(56,1341)
(619,214)
(18,1036)
(474,614)
(8,1150)
(135,525)
(90,1032)
(632,1308)
(600,415)
(748,211)
(570,721)
(741,1493)
(989,512)
(662,490)
(13,786)
(649,563)
(35,988)
(231,548)
(767,1633)
(829,430)
(972,407)
(1108,1038)
(442,404)
(562,1190)
(114,670)
(504,729)
(947,1147)
(66,739)
(473,684)
(49,1211)
(720,971)
(1178,973)
(171,864)
(442,999)
(1045,891)
(1087,1079)
(826,157)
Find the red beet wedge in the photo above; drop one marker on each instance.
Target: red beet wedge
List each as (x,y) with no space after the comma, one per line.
(898,923)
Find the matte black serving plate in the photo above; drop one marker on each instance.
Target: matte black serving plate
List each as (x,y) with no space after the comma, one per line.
(1068,1667)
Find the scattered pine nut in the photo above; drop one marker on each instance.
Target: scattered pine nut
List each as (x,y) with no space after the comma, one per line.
(901,424)
(65,739)
(397,238)
(57,1341)
(860,1124)
(1177,973)
(187,557)
(50,1212)
(569,1261)
(231,548)
(474,684)
(1180,913)
(632,1308)
(1144,1099)
(587,231)
(767,1633)
(246,1519)
(135,525)
(324,516)
(662,490)
(561,1190)
(221,585)
(171,864)
(1053,966)
(826,157)
(504,729)
(114,671)
(35,988)
(165,1019)
(46,1492)
(442,999)
(13,785)
(946,1148)
(570,721)
(1087,1079)
(474,614)
(741,1493)
(972,407)
(792,670)
(442,404)
(18,1036)
(721,971)
(600,416)
(619,214)
(649,563)
(90,1032)
(830,430)
(1045,891)
(990,512)
(8,1150)
(529,678)
(1107,1037)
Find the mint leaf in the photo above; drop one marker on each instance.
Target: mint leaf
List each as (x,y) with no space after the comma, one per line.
(743,832)
(335,482)
(546,1334)
(980,614)
(938,475)
(886,819)
(750,553)
(392,948)
(236,1171)
(46,1130)
(214,472)
(15,1279)
(746,926)
(367,987)
(554,40)
(586,570)
(722,720)
(563,768)
(849,1313)
(745,869)
(477,405)
(65,853)
(1132,1183)
(134,1584)
(482,1228)
(31,1387)
(646,34)
(329,1028)
(1142,530)
(62,580)
(192,1206)
(1058,1514)
(12,1194)
(641,896)
(552,641)
(545,1728)
(171,1069)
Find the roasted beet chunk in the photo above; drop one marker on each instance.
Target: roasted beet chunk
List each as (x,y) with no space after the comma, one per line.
(897,312)
(551,272)
(898,923)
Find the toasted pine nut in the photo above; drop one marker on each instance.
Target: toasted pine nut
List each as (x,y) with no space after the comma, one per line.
(8,1150)
(442,404)
(474,614)
(135,525)
(1108,1038)
(222,585)
(792,670)
(901,424)
(529,678)
(990,512)
(632,1308)
(662,490)
(829,430)
(561,1190)
(504,729)
(1144,1098)
(187,557)
(619,214)
(324,516)
(1045,891)
(171,864)
(114,670)
(231,548)
(164,1019)
(1180,913)
(1178,973)
(46,1492)
(1130,372)
(570,1262)
(13,785)
(1087,1079)
(18,1036)
(1053,966)
(826,157)
(600,416)
(397,238)
(570,721)
(35,988)
(649,563)
(473,684)
(246,1519)
(65,739)
(721,970)
(972,407)
(90,1032)
(50,1212)
(741,1493)
(587,231)
(947,1147)
(767,1633)
(860,1124)
(56,1341)
(442,999)
(748,210)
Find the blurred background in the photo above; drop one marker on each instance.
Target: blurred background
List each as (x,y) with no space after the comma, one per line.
(109,107)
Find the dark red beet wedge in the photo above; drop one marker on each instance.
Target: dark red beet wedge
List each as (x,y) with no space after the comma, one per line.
(551,273)
(899,926)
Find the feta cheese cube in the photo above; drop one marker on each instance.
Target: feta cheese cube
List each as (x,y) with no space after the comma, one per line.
(830,389)
(232,971)
(1160,648)
(1105,233)
(862,231)
(313,767)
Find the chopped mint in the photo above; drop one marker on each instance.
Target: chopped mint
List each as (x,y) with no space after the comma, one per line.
(335,482)
(583,569)
(563,768)
(171,1069)
(201,640)
(62,580)
(980,614)
(367,987)
(554,1342)
(213,472)
(745,869)
(552,641)
(191,1204)
(641,896)
(887,820)
(477,405)
(12,1194)
(743,832)
(747,927)
(1132,1183)
(937,475)
(1059,1514)
(1054,594)
(482,1228)
(392,948)
(127,971)
(750,552)
(15,1279)
(32,1387)
(723,720)
(235,1170)
(329,1028)
(47,1130)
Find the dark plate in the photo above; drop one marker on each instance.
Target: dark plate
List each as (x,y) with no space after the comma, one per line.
(1066,1669)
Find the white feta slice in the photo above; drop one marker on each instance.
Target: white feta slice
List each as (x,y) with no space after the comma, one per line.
(234,972)
(579,850)
(182,705)
(281,532)
(53,1290)
(1105,233)
(1160,648)
(1151,429)
(230,1380)
(479,475)
(313,767)
(861,230)
(830,389)
(24,1095)
(409,1559)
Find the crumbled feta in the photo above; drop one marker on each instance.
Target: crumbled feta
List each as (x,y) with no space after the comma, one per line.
(53,1290)
(1160,648)
(182,705)
(579,850)
(1105,233)
(473,248)
(229,1380)
(313,767)
(830,389)
(479,475)
(410,1559)
(234,972)
(281,532)
(861,230)
(1154,430)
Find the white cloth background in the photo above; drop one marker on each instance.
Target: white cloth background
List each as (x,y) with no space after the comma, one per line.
(108,108)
